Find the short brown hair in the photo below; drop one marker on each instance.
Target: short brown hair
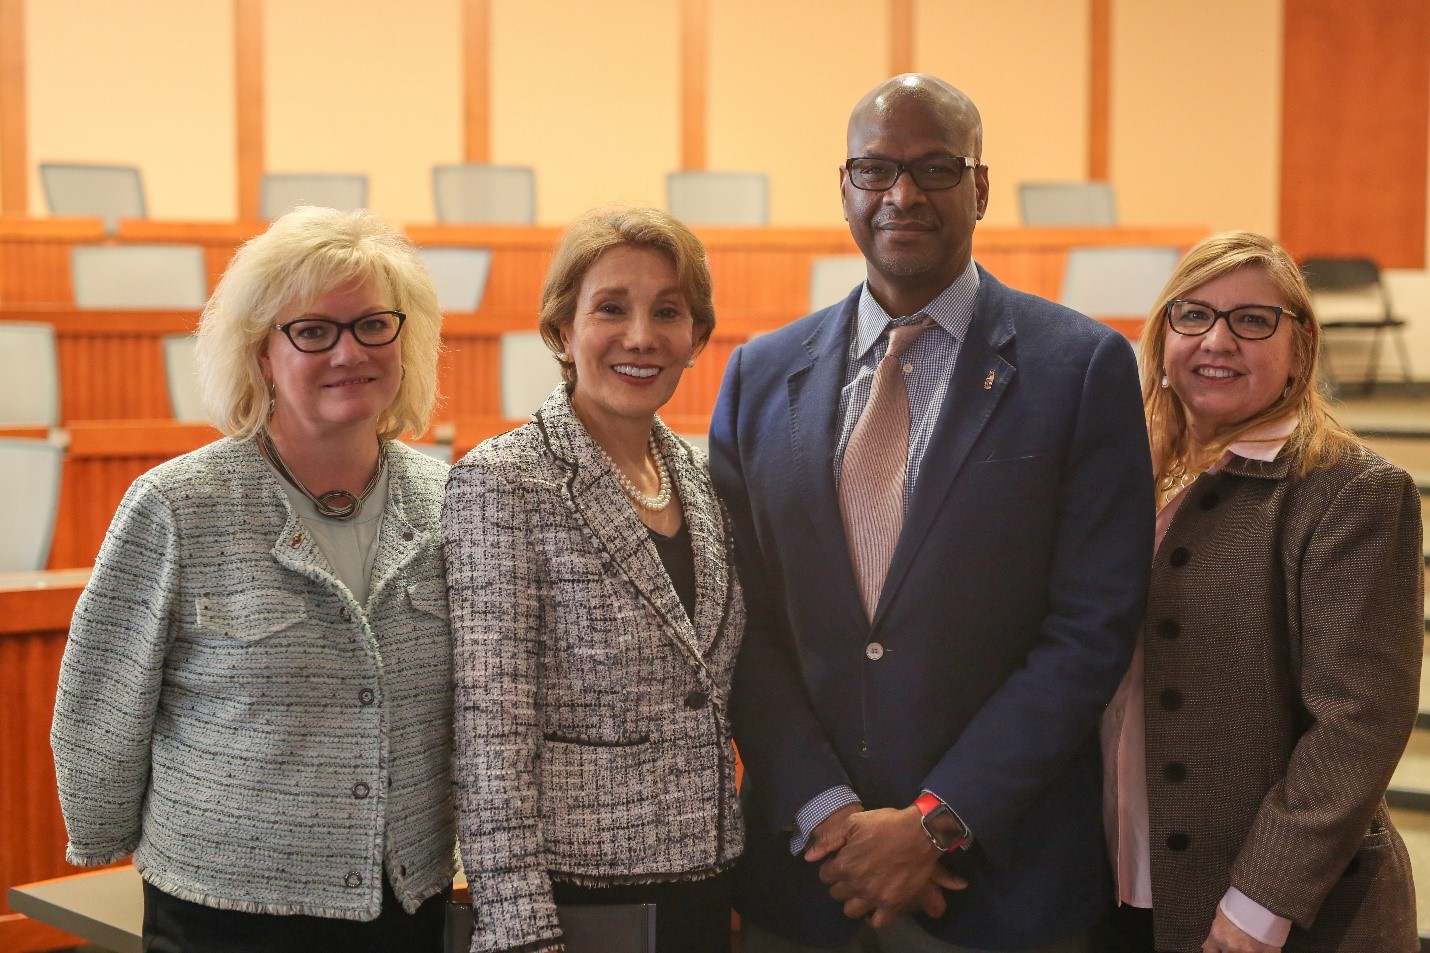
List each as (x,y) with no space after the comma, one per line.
(597,232)
(1318,440)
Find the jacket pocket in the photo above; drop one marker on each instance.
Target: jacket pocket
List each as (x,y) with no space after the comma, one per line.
(250,615)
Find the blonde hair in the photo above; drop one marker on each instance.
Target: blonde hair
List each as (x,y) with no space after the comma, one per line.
(301,257)
(597,232)
(1318,439)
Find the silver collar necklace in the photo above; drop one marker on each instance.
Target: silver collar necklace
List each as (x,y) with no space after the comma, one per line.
(334,504)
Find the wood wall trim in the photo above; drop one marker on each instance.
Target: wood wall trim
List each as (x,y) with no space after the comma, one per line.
(901,36)
(476,81)
(14,120)
(1355,129)
(249,113)
(1099,91)
(694,83)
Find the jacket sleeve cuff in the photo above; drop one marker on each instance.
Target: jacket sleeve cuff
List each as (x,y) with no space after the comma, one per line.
(818,809)
(1255,919)
(78,857)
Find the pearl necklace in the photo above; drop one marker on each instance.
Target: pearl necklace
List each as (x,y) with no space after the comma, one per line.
(653,503)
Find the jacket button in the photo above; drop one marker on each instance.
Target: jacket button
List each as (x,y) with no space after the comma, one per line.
(1169,628)
(346,616)
(296,541)
(353,879)
(1209,501)
(696,700)
(367,696)
(407,537)
(874,651)
(1171,699)
(863,749)
(360,790)
(1180,557)
(1174,771)
(1178,841)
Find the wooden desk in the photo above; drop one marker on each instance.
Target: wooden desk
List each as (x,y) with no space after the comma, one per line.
(35,613)
(104,907)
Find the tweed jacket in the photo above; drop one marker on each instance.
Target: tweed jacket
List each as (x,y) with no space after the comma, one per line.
(227,712)
(593,738)
(1283,641)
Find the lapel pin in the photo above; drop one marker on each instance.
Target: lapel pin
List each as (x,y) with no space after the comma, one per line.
(988,381)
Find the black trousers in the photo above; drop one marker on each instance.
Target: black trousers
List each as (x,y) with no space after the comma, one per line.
(172,925)
(1124,929)
(689,917)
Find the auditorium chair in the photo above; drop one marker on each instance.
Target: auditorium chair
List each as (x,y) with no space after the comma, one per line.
(460,275)
(528,373)
(139,277)
(1108,282)
(1067,203)
(474,194)
(283,191)
(30,481)
(1350,295)
(29,375)
(181,373)
(737,199)
(832,277)
(110,192)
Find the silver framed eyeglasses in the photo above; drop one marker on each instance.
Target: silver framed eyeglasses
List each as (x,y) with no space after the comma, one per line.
(1252,322)
(873,174)
(314,335)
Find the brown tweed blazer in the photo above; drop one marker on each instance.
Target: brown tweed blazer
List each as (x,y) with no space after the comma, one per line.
(1283,641)
(592,727)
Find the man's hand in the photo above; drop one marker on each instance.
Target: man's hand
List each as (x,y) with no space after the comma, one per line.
(1227,937)
(887,867)
(829,835)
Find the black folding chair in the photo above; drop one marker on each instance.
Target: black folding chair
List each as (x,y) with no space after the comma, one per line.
(1359,277)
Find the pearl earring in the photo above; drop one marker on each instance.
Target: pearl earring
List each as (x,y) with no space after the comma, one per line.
(690,362)
(1165,382)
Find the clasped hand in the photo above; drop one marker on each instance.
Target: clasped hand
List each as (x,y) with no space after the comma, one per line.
(880,864)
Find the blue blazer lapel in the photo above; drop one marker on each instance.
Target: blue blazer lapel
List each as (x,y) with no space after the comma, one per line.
(814,422)
(980,378)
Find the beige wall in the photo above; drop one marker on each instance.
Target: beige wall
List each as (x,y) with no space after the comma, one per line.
(365,86)
(142,82)
(588,93)
(1196,107)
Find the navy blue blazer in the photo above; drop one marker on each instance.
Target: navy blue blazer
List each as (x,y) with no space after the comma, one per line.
(1007,619)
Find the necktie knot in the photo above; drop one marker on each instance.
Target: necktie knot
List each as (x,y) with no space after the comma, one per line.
(903,336)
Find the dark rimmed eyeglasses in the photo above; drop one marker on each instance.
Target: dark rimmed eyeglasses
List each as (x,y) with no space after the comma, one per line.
(1252,322)
(931,175)
(314,335)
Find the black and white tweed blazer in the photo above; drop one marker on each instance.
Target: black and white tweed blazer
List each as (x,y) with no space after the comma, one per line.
(230,714)
(592,729)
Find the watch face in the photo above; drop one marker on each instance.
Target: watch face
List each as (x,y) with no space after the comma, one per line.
(944,828)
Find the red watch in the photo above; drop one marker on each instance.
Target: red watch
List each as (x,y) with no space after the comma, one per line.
(945,829)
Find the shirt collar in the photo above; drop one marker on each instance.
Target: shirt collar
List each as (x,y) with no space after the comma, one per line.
(952,310)
(1265,441)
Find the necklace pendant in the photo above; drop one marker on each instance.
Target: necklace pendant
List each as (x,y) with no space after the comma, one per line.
(337,504)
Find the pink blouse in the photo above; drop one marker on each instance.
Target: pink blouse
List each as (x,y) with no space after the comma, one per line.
(1124,748)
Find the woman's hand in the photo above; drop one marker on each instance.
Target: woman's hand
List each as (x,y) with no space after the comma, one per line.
(1227,937)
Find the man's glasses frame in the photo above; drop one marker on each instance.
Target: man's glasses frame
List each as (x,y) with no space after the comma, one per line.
(351,327)
(926,173)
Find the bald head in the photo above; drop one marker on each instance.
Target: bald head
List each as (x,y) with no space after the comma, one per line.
(945,103)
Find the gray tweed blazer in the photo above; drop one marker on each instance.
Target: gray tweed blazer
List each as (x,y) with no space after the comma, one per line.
(1283,641)
(228,713)
(593,737)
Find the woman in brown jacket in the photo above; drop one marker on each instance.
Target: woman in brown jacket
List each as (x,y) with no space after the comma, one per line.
(1275,681)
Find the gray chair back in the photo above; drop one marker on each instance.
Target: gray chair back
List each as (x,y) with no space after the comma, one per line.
(460,276)
(832,277)
(110,192)
(1067,203)
(284,191)
(528,373)
(1113,282)
(181,373)
(29,374)
(736,199)
(474,194)
(30,480)
(139,277)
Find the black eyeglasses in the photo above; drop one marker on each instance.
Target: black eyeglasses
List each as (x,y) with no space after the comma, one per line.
(1253,322)
(931,175)
(314,335)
